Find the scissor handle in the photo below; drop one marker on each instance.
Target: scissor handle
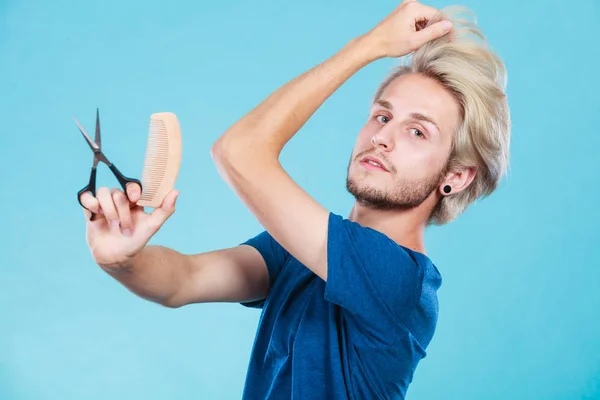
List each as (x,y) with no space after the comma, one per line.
(123,180)
(91,187)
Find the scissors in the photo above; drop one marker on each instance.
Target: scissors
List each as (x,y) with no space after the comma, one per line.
(96,146)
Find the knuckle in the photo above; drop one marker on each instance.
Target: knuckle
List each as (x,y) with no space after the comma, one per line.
(412,42)
(131,189)
(88,200)
(96,254)
(124,215)
(154,224)
(132,186)
(103,195)
(119,196)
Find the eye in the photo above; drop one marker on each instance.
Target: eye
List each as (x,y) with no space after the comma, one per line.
(417,133)
(382,118)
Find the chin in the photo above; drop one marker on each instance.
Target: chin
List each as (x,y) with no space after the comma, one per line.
(376,193)
(360,184)
(367,179)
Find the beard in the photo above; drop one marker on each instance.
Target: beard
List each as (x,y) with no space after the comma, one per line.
(405,194)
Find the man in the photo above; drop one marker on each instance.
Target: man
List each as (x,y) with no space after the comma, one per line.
(349,305)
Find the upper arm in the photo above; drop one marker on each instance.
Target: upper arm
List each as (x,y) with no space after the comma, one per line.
(296,220)
(236,274)
(244,273)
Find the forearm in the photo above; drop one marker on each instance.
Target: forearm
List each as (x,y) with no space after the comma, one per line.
(274,122)
(156,274)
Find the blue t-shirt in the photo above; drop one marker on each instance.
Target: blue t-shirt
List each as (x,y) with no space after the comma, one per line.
(360,335)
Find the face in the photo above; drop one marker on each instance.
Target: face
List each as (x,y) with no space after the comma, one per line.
(413,123)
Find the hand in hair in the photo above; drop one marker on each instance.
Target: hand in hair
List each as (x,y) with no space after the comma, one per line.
(407,28)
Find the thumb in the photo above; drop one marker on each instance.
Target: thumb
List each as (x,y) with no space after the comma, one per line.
(160,214)
(432,32)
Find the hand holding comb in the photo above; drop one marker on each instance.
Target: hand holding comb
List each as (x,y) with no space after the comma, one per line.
(161,164)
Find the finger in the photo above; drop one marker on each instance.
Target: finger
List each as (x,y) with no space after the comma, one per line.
(87,213)
(123,210)
(92,217)
(160,214)
(426,13)
(108,207)
(432,32)
(134,192)
(90,202)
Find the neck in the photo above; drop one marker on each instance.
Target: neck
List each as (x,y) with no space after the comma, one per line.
(405,227)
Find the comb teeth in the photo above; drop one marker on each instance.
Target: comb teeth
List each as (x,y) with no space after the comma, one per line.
(157,156)
(163,158)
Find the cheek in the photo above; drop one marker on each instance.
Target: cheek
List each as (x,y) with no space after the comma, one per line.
(363,141)
(366,133)
(415,163)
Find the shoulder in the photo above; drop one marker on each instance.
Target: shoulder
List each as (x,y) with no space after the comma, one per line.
(372,246)
(396,273)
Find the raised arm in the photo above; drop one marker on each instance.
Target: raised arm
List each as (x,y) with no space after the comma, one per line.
(247,154)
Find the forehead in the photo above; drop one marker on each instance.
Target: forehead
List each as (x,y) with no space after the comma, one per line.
(420,94)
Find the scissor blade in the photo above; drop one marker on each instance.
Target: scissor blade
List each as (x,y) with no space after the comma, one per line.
(90,142)
(97,137)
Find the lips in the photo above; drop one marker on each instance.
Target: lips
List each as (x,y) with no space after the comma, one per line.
(374,162)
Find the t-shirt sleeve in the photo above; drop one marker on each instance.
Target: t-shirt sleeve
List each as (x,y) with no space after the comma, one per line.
(370,276)
(275,257)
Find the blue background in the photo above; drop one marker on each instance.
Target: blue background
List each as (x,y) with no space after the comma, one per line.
(520,298)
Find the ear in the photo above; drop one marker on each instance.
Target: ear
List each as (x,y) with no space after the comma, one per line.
(458,180)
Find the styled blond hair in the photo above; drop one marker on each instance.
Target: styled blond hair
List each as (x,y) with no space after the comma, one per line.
(465,65)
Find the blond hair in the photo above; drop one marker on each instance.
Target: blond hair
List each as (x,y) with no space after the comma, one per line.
(465,65)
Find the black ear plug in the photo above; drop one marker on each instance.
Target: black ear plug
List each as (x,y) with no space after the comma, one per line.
(447,189)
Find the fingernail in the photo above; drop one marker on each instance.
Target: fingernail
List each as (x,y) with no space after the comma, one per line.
(127,232)
(115,223)
(447,25)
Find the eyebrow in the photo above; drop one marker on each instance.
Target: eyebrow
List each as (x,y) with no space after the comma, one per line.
(417,116)
(385,104)
(425,118)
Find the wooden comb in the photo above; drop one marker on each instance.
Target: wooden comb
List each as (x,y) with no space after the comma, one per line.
(163,159)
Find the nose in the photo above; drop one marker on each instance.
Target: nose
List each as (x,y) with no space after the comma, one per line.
(383,140)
